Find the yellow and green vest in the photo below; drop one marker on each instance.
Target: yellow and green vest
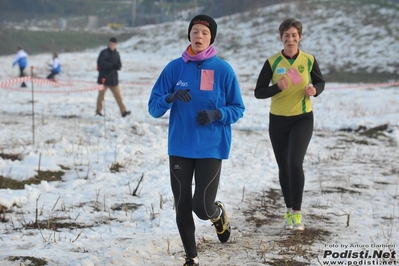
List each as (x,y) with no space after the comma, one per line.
(291,101)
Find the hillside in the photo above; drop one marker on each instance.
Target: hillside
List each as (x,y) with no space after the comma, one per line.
(334,31)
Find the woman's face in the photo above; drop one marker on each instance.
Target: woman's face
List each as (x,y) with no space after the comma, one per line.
(291,39)
(200,37)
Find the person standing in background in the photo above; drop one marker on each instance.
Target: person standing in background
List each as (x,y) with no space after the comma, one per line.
(55,67)
(291,72)
(108,64)
(202,92)
(21,59)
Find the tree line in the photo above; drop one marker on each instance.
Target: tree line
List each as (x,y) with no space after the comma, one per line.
(135,12)
(142,11)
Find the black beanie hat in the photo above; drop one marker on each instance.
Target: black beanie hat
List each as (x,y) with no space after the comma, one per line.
(204,20)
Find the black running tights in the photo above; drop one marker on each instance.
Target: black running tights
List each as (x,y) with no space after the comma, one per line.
(21,71)
(206,176)
(22,74)
(290,137)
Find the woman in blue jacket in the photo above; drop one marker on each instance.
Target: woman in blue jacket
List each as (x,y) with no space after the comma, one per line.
(204,98)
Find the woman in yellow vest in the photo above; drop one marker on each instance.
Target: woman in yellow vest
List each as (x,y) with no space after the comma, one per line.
(295,76)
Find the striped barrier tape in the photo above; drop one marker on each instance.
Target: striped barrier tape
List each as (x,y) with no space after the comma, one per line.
(50,82)
(356,86)
(347,86)
(6,85)
(121,82)
(65,83)
(95,88)
(38,81)
(14,81)
(364,86)
(41,81)
(60,83)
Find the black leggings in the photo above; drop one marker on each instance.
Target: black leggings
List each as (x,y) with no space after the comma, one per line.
(51,75)
(207,174)
(22,74)
(21,71)
(290,137)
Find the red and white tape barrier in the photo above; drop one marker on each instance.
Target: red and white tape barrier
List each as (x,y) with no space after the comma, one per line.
(94,88)
(356,86)
(364,86)
(38,81)
(14,81)
(72,83)
(50,82)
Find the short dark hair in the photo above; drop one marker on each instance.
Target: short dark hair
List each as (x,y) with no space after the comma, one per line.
(113,39)
(288,23)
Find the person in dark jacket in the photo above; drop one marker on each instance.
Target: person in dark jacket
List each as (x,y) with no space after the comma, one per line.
(108,64)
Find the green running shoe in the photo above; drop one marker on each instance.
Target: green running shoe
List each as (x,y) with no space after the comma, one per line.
(297,220)
(288,221)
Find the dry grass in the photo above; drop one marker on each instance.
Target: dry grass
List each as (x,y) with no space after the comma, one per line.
(49,176)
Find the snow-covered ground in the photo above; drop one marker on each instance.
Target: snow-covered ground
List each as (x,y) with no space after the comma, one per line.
(91,217)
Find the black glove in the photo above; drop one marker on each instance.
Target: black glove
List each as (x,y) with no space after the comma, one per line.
(205,117)
(181,95)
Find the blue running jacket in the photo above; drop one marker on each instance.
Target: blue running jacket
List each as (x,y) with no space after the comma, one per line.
(213,85)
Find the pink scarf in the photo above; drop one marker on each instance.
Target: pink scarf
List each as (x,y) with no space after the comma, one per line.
(207,53)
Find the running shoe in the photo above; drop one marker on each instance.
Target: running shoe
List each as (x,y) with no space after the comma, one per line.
(191,262)
(126,113)
(288,221)
(297,220)
(222,223)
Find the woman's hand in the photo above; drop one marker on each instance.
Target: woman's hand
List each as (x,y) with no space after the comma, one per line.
(283,83)
(310,91)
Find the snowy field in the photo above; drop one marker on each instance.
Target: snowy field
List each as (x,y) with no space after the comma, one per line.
(113,204)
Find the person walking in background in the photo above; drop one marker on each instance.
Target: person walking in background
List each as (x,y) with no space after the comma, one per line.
(22,60)
(108,64)
(204,98)
(55,67)
(295,76)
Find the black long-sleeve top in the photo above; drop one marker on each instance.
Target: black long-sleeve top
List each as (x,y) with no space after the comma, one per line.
(108,62)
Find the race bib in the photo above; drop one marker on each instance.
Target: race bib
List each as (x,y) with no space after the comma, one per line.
(207,81)
(294,76)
